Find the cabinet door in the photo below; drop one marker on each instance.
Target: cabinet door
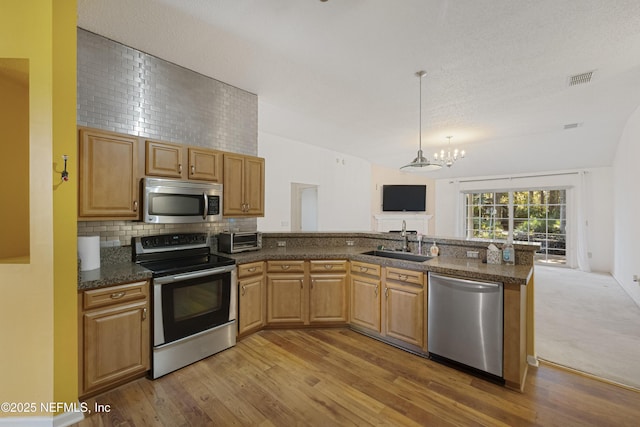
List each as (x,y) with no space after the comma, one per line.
(163,159)
(205,165)
(285,299)
(233,189)
(251,304)
(108,175)
(254,186)
(116,344)
(404,315)
(365,302)
(328,298)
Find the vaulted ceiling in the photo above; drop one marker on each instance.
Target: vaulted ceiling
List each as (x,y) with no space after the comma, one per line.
(340,74)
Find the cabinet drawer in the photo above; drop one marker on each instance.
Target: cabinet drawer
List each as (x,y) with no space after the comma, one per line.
(406,276)
(358,267)
(114,295)
(251,269)
(327,266)
(288,266)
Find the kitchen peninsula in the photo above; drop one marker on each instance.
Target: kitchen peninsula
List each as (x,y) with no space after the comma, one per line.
(321,279)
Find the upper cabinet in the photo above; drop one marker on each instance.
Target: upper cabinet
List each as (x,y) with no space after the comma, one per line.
(108,175)
(168,160)
(243,185)
(112,164)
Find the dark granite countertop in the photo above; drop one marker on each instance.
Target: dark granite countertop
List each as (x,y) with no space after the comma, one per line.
(462,267)
(112,274)
(126,271)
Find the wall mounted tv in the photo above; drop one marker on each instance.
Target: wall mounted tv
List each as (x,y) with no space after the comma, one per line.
(404,198)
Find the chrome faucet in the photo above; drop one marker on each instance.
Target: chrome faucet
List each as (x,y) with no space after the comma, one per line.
(405,241)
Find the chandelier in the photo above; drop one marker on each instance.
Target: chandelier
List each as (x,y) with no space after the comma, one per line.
(450,157)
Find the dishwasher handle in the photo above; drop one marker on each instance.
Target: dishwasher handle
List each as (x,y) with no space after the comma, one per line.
(464,284)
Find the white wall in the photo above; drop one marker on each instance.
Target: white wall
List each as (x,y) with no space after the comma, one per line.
(381,175)
(597,204)
(344,185)
(626,208)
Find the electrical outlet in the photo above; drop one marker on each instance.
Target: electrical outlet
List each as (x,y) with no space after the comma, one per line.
(472,254)
(635,278)
(350,243)
(282,244)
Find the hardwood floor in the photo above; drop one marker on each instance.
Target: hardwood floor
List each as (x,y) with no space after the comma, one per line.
(337,377)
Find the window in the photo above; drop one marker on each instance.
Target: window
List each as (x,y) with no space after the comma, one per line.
(537,216)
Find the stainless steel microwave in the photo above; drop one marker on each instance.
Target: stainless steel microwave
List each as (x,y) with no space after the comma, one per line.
(172,201)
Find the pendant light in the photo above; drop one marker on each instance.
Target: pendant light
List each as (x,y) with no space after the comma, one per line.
(420,163)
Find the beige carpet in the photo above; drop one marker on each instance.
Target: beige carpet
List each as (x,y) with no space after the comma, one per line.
(587,322)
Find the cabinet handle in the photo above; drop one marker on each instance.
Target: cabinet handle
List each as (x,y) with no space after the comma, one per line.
(386,292)
(135,206)
(251,270)
(376,291)
(193,169)
(403,277)
(328,266)
(364,268)
(285,266)
(312,282)
(144,313)
(180,168)
(117,295)
(243,286)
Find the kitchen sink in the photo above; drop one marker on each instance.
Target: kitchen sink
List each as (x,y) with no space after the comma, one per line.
(407,256)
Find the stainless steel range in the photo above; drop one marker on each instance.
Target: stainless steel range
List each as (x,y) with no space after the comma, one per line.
(193,298)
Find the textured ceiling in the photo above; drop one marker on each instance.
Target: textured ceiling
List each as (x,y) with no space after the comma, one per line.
(340,74)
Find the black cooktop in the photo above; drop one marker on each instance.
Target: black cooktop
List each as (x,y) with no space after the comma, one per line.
(183,265)
(176,253)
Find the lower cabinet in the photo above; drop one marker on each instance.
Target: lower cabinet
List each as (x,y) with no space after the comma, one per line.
(365,296)
(286,292)
(114,341)
(328,292)
(307,292)
(404,306)
(389,303)
(251,298)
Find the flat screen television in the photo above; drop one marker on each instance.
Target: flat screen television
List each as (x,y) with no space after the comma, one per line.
(404,198)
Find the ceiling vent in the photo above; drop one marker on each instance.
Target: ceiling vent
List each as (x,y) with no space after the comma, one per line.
(580,79)
(572,126)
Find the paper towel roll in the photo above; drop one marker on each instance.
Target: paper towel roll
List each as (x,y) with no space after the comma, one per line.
(89,252)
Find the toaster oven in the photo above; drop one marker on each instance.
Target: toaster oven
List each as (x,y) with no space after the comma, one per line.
(232,243)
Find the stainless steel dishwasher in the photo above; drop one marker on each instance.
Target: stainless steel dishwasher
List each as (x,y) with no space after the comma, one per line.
(465,323)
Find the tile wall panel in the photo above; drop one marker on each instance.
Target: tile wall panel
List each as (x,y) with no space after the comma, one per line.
(123,90)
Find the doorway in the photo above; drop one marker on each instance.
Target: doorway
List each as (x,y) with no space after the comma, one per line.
(304,207)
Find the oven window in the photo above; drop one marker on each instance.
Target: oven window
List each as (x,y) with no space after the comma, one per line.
(175,204)
(194,305)
(196,300)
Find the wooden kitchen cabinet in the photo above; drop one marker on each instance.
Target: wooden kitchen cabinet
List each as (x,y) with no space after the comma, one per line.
(286,292)
(404,306)
(251,298)
(113,336)
(365,296)
(328,291)
(108,175)
(243,178)
(164,159)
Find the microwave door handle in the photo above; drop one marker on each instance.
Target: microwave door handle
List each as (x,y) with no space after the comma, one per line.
(206,206)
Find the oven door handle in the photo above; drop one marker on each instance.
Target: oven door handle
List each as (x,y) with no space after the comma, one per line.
(191,275)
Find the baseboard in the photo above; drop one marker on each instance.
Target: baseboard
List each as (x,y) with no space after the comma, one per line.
(587,375)
(63,419)
(67,418)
